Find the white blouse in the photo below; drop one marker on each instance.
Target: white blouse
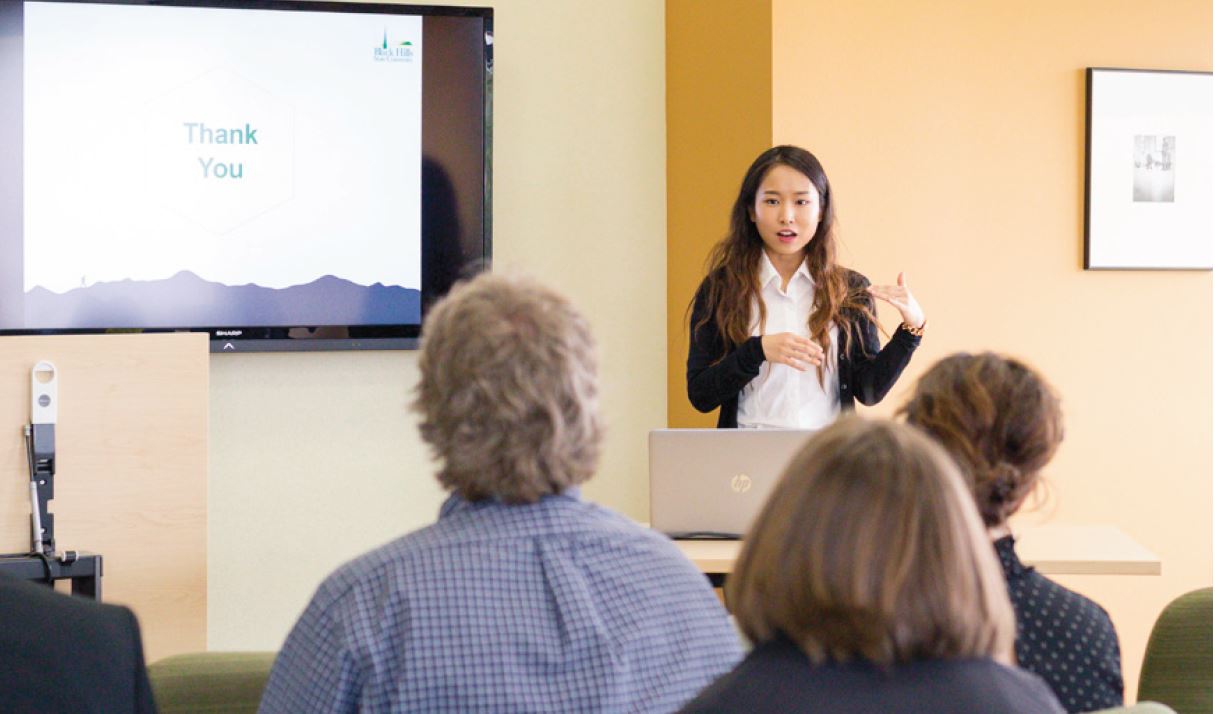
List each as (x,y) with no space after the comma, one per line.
(781,396)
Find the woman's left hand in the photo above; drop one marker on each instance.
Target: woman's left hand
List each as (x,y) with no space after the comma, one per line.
(901,298)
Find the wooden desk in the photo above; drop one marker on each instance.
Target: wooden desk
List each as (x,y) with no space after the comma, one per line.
(1059,549)
(131,481)
(1054,549)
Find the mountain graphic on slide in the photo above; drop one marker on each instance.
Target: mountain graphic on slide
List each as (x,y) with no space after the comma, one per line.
(186,300)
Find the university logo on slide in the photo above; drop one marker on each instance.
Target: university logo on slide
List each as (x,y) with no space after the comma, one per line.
(402,52)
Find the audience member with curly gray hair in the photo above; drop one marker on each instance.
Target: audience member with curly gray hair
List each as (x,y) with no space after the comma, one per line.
(522,596)
(509,393)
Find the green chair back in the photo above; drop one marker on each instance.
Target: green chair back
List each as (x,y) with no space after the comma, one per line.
(1177,665)
(210,682)
(1140,708)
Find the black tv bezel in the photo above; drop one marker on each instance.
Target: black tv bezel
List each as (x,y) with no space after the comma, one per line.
(274,338)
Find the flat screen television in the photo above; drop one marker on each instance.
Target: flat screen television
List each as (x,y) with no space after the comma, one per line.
(283,175)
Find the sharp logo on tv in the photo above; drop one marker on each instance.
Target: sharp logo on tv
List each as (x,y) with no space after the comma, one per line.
(402,52)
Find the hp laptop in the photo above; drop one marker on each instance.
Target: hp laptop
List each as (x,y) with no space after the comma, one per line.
(711,483)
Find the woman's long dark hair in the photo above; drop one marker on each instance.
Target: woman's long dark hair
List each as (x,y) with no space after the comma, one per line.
(733,265)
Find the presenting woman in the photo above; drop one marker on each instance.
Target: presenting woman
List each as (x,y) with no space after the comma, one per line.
(781,335)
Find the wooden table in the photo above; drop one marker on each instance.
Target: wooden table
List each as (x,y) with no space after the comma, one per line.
(1054,549)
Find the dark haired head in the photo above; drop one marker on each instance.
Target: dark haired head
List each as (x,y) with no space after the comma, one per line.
(998,418)
(732,270)
(742,228)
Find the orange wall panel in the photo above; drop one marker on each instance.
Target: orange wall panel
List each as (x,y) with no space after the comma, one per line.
(719,118)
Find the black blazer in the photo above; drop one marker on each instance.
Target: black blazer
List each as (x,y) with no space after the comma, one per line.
(866,372)
(65,654)
(778,677)
(1063,637)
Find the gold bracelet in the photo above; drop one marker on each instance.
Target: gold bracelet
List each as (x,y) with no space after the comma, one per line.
(915,331)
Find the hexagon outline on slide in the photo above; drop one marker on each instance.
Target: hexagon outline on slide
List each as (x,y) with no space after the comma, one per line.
(225,109)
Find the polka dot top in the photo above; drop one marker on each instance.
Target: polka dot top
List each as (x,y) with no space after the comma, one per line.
(1063,637)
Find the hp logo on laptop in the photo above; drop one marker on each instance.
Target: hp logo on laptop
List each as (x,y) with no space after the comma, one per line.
(740,483)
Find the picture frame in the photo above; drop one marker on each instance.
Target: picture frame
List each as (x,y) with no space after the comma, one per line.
(1148,170)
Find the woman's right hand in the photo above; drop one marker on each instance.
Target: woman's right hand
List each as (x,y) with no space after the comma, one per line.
(791,350)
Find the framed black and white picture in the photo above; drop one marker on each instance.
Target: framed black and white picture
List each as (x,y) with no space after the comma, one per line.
(1148,189)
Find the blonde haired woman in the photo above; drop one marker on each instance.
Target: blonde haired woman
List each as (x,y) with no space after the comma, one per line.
(867,584)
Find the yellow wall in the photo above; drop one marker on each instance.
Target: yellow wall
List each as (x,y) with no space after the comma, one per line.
(953,134)
(719,117)
(314,458)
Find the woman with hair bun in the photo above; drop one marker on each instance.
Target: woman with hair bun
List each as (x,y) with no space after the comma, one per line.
(1002,423)
(867,585)
(781,335)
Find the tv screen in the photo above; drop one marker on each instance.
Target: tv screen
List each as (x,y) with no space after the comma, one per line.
(283,175)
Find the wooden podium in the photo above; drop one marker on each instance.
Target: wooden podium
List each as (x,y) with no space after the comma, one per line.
(131,476)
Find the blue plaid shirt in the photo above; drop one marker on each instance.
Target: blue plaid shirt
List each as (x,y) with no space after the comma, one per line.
(559,605)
